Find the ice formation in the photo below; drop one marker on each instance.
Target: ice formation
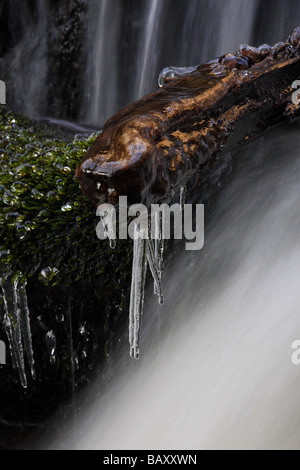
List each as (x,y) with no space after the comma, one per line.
(51,346)
(182,197)
(170,73)
(16,321)
(145,252)
(139,270)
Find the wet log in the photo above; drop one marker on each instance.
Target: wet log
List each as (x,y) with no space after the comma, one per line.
(159,143)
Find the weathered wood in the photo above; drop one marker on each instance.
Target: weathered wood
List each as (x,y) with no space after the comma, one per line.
(158,143)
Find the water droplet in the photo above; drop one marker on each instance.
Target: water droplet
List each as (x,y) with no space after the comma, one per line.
(52,197)
(47,274)
(24,169)
(51,346)
(41,323)
(19,188)
(43,213)
(9,199)
(12,218)
(67,207)
(59,317)
(30,225)
(82,330)
(35,194)
(169,73)
(21,231)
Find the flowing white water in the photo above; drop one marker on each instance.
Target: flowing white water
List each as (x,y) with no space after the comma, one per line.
(147,57)
(216,370)
(153,27)
(125,45)
(26,65)
(103,36)
(215,28)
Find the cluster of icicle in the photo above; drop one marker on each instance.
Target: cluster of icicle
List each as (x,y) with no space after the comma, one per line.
(15,316)
(16,321)
(146,252)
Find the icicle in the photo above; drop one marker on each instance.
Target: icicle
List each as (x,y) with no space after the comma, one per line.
(112,243)
(182,197)
(25,324)
(71,346)
(139,269)
(156,274)
(144,251)
(17,323)
(6,322)
(158,244)
(12,324)
(51,346)
(170,73)
(108,226)
(159,239)
(1,308)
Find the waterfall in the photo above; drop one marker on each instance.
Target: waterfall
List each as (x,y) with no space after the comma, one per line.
(192,41)
(122,47)
(206,26)
(216,369)
(24,68)
(148,50)
(102,57)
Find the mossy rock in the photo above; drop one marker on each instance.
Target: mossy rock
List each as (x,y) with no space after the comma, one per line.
(45,220)
(77,286)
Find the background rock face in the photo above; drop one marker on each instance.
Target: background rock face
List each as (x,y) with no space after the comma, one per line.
(83,60)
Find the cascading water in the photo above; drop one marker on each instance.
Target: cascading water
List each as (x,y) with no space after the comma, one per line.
(146,57)
(103,20)
(24,66)
(124,45)
(216,369)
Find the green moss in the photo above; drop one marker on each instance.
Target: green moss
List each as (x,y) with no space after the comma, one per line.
(47,225)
